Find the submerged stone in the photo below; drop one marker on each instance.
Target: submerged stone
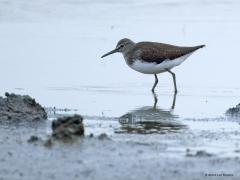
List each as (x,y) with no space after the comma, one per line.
(20,107)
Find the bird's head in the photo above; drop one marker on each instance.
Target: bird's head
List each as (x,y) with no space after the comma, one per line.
(122,46)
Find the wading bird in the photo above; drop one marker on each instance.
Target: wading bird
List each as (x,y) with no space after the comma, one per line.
(153,57)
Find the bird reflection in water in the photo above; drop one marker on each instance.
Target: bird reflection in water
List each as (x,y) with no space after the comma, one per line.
(149,120)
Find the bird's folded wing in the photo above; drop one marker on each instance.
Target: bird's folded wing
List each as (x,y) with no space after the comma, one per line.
(158,52)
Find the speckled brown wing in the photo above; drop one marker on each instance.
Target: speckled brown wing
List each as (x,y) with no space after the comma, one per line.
(158,52)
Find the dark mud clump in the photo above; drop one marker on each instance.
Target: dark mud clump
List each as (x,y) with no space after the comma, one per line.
(48,143)
(234,111)
(68,127)
(103,136)
(37,140)
(200,153)
(33,139)
(65,129)
(17,107)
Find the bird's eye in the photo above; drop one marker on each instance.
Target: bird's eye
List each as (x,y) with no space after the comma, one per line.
(121,45)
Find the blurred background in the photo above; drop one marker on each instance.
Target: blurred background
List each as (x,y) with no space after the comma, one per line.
(59,42)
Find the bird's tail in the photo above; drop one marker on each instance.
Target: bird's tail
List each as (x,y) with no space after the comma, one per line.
(200,46)
(197,47)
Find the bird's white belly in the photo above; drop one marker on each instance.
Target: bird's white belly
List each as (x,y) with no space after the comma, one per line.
(154,68)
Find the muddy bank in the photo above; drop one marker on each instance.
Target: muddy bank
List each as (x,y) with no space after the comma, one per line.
(182,153)
(92,158)
(20,107)
(141,144)
(234,111)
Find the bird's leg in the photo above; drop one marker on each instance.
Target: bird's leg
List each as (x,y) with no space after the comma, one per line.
(174,101)
(155,100)
(155,84)
(174,80)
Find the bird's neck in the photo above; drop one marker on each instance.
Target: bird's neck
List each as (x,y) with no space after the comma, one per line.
(128,50)
(128,58)
(128,54)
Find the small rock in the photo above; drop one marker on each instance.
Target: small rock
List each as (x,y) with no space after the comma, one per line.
(103,136)
(200,153)
(48,143)
(79,161)
(21,174)
(67,127)
(33,139)
(10,154)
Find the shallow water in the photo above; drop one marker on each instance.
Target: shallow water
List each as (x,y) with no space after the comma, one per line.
(194,119)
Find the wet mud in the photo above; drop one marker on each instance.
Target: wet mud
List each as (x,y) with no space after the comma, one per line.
(144,143)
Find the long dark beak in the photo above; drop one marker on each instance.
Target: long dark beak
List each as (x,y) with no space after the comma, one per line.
(111,52)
